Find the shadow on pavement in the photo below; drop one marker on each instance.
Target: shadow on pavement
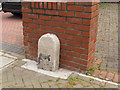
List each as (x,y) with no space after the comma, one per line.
(18,16)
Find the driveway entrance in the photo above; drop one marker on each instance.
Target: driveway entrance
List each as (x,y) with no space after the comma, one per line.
(12,33)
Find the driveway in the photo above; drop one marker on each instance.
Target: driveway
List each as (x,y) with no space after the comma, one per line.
(12,32)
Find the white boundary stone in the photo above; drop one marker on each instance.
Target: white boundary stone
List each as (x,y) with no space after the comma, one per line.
(49,46)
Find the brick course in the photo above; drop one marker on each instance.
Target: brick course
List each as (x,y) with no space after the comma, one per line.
(75,24)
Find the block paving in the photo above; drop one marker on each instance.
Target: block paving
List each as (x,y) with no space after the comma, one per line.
(105,75)
(107,37)
(16,77)
(12,29)
(106,66)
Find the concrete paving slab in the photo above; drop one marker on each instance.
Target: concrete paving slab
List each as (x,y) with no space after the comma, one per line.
(10,56)
(32,65)
(19,63)
(1,53)
(5,61)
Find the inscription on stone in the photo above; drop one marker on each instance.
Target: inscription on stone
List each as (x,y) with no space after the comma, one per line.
(48,52)
(42,57)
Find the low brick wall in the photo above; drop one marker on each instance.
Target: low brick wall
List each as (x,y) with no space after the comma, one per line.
(75,24)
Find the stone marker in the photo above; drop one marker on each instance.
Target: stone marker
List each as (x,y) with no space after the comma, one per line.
(48,52)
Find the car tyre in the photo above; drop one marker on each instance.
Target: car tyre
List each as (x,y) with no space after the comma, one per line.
(16,14)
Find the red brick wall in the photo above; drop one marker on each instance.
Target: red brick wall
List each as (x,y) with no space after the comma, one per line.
(74,23)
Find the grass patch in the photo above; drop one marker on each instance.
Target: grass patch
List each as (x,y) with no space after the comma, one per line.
(40,84)
(23,82)
(102,5)
(13,75)
(32,85)
(91,71)
(15,83)
(58,79)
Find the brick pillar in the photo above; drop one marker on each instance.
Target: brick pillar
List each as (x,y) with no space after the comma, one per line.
(75,24)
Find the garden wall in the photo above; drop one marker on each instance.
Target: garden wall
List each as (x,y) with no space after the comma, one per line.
(75,24)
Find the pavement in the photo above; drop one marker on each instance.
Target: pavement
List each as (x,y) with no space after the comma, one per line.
(14,76)
(107,37)
(12,29)
(12,48)
(11,33)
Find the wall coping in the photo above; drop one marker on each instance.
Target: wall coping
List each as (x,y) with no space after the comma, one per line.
(60,1)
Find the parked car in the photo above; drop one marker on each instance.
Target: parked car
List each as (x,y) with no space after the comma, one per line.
(13,6)
(0,6)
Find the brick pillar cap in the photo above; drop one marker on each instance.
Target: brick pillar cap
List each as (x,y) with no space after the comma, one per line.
(60,0)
